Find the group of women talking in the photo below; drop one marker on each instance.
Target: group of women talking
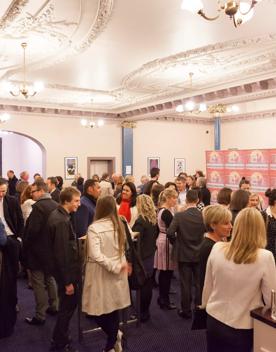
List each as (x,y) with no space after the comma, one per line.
(237,271)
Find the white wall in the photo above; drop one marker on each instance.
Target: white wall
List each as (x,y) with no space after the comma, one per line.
(65,137)
(169,140)
(249,134)
(20,153)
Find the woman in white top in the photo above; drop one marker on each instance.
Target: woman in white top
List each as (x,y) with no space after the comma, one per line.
(239,277)
(26,202)
(106,289)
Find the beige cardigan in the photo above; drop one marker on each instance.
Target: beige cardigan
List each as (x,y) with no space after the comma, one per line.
(105,286)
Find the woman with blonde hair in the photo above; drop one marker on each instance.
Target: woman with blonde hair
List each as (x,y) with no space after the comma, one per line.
(146,225)
(254,201)
(217,220)
(162,260)
(239,277)
(106,289)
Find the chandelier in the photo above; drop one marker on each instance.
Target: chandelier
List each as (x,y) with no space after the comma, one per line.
(24,89)
(238,11)
(91,124)
(214,109)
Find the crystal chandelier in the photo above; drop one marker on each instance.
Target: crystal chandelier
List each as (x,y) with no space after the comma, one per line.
(24,89)
(239,11)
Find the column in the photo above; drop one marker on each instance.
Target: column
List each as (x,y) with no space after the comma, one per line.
(217,123)
(127,151)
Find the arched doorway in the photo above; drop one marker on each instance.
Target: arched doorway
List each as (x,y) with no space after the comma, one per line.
(21,152)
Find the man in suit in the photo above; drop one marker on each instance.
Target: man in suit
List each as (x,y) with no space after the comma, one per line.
(186,233)
(66,267)
(52,188)
(12,181)
(10,212)
(38,254)
(85,214)
(12,219)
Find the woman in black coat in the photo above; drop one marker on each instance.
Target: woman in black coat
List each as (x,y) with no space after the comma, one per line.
(147,228)
(9,251)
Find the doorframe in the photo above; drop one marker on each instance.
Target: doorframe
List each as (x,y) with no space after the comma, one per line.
(111,163)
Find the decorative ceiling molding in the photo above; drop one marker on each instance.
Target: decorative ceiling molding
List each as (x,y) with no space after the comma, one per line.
(12,12)
(156,116)
(104,13)
(250,116)
(63,36)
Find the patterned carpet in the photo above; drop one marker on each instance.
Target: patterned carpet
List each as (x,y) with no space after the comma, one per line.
(166,331)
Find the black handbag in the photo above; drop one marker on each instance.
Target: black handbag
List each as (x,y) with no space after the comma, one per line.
(138,276)
(199,319)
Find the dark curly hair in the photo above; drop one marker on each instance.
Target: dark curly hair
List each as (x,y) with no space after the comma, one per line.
(271,195)
(132,187)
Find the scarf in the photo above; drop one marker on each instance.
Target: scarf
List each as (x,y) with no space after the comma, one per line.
(124,209)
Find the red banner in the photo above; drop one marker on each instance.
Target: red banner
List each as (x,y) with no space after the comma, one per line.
(225,168)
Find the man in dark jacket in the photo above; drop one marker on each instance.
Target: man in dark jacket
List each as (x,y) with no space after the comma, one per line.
(37,254)
(85,214)
(66,264)
(10,212)
(12,181)
(186,233)
(52,183)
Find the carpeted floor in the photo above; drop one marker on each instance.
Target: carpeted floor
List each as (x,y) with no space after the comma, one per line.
(166,331)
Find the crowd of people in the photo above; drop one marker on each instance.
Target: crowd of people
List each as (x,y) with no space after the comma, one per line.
(224,253)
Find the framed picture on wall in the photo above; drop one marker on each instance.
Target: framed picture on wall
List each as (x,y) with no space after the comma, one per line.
(153,162)
(179,166)
(70,167)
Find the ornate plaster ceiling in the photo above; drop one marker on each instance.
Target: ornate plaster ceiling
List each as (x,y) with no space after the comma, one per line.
(132,58)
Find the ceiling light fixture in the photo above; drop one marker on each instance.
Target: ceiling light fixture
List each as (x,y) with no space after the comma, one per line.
(4,117)
(239,11)
(91,124)
(24,89)
(193,108)
(213,109)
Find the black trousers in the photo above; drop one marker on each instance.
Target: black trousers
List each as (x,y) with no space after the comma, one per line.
(189,276)
(223,338)
(67,306)
(110,325)
(165,278)
(146,296)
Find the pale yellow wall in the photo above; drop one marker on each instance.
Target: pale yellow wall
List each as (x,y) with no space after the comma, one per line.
(63,137)
(249,134)
(169,140)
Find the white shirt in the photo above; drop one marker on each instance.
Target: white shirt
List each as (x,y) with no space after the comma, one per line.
(8,230)
(27,208)
(182,197)
(232,290)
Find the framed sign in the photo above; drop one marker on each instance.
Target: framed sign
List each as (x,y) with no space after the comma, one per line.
(70,167)
(153,162)
(179,166)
